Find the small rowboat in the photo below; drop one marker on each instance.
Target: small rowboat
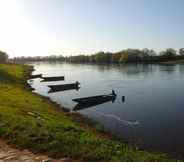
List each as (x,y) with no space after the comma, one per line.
(94,98)
(87,102)
(63,87)
(50,79)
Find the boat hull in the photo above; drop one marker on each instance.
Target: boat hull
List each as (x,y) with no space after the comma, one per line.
(63,87)
(92,101)
(35,76)
(50,79)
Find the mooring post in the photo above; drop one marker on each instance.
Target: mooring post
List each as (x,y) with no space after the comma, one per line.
(123,99)
(113,93)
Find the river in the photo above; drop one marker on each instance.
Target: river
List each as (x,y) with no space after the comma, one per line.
(152,115)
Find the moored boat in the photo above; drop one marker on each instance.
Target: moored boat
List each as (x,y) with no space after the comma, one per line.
(49,79)
(87,102)
(94,98)
(63,87)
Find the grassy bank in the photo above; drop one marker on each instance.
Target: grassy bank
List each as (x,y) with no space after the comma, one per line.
(30,121)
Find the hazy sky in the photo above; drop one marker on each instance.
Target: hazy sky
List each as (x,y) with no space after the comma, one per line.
(45,27)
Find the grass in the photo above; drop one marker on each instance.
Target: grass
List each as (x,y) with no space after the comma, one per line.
(30,121)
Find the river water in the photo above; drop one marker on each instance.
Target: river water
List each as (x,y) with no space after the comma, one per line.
(153,112)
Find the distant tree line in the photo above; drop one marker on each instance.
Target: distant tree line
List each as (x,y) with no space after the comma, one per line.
(23,59)
(125,56)
(129,56)
(3,57)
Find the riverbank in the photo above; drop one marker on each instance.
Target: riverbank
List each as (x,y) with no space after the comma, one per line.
(173,62)
(31,121)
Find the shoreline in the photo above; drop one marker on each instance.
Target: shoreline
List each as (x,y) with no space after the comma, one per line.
(172,62)
(77,116)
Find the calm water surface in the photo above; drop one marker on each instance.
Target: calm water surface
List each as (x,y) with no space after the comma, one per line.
(153,111)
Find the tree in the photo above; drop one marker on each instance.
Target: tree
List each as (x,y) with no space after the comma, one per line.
(102,57)
(3,57)
(134,55)
(116,57)
(152,53)
(147,55)
(148,52)
(181,51)
(168,54)
(124,58)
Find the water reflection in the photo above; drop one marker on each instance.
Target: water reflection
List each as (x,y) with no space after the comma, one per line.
(130,69)
(169,69)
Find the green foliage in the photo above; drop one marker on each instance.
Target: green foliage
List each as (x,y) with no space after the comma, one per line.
(30,121)
(52,58)
(125,56)
(3,57)
(102,57)
(168,53)
(79,58)
(128,56)
(181,51)
(116,57)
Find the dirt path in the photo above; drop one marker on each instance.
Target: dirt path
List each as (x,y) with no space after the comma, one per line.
(9,154)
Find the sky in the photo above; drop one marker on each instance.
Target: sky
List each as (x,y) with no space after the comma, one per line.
(71,27)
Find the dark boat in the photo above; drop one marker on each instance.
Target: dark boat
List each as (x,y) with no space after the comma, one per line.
(93,98)
(63,87)
(35,76)
(50,79)
(93,101)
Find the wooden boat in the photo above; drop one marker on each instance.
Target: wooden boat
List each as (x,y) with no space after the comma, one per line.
(93,101)
(50,79)
(35,76)
(93,98)
(63,87)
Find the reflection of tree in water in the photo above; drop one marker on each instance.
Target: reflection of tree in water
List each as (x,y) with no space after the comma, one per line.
(136,69)
(128,69)
(168,69)
(104,67)
(181,69)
